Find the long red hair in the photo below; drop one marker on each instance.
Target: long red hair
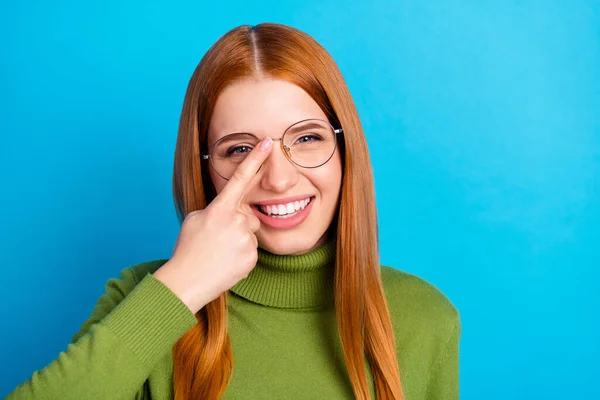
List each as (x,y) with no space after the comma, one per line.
(203,360)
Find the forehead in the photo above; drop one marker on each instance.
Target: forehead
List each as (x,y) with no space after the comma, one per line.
(261,106)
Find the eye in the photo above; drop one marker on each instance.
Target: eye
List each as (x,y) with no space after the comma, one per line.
(308,138)
(239,150)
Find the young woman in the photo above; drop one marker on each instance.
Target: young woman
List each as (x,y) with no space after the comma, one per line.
(274,289)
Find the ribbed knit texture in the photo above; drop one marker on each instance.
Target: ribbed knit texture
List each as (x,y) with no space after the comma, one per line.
(304,281)
(161,316)
(283,335)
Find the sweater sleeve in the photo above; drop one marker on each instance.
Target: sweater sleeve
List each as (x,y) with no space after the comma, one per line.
(131,328)
(444,373)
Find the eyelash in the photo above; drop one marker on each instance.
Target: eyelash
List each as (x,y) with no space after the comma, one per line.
(232,151)
(312,136)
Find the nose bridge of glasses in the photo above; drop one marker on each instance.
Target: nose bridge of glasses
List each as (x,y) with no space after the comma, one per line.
(284,148)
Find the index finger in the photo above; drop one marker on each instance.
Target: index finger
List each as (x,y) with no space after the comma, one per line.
(243,174)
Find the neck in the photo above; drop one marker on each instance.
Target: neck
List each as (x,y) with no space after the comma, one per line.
(291,281)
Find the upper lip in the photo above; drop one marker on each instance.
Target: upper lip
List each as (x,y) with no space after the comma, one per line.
(284,200)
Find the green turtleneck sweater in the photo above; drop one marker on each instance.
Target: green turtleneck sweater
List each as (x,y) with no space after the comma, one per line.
(283,335)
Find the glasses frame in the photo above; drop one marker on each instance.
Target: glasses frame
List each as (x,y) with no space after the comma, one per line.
(284,148)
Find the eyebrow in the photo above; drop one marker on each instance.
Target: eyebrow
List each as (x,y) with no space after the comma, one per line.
(232,136)
(300,127)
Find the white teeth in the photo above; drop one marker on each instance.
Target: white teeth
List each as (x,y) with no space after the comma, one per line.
(285,210)
(290,208)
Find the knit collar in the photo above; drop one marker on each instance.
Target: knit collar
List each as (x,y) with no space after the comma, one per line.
(302,281)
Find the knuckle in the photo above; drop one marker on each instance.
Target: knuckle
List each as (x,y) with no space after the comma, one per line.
(191,214)
(190,219)
(253,258)
(245,241)
(237,177)
(216,204)
(210,213)
(239,220)
(248,261)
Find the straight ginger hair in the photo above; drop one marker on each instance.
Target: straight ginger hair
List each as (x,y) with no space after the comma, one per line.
(203,359)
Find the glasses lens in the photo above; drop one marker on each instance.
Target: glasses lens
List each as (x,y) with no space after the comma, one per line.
(230,151)
(309,143)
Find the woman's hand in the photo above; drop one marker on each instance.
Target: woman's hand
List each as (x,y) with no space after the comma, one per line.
(216,247)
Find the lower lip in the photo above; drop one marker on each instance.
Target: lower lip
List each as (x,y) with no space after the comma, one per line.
(284,223)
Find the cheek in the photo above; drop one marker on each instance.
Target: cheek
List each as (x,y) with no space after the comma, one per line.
(328,178)
(218,182)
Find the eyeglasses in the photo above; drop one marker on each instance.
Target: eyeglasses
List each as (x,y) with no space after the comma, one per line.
(309,143)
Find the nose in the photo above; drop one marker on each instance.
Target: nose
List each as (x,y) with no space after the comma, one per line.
(278,173)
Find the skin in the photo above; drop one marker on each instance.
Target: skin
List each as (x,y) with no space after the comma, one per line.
(266,107)
(217,246)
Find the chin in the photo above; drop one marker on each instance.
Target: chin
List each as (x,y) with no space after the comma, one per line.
(288,244)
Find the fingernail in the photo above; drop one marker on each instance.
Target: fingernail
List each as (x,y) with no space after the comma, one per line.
(266,144)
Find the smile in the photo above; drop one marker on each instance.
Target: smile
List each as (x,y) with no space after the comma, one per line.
(284,214)
(285,210)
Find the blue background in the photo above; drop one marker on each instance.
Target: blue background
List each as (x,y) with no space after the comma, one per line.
(483,122)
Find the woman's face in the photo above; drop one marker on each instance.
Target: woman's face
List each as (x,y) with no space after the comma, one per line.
(267,107)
